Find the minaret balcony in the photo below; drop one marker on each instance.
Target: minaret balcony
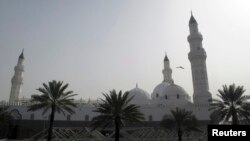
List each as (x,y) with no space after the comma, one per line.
(197,56)
(194,37)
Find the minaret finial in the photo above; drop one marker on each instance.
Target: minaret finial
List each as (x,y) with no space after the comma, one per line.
(21,56)
(192,19)
(136,85)
(166,57)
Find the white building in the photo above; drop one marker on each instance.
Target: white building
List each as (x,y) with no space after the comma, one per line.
(166,96)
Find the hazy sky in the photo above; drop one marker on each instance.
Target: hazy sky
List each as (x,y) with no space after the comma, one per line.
(99,45)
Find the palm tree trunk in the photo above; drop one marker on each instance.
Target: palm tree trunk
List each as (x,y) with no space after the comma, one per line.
(117,129)
(179,134)
(235,120)
(52,115)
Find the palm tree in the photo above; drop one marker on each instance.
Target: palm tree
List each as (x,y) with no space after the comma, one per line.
(116,109)
(5,115)
(232,106)
(6,121)
(53,98)
(181,121)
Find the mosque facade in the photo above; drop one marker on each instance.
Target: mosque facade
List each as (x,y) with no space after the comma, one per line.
(165,96)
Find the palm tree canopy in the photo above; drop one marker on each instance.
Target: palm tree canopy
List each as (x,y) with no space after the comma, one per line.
(232,105)
(53,94)
(116,106)
(5,115)
(181,119)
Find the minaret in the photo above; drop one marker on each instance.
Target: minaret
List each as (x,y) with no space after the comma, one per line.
(167,71)
(197,57)
(17,80)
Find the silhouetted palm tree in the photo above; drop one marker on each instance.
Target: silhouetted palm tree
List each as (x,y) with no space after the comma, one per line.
(181,121)
(232,106)
(5,115)
(53,98)
(116,109)
(6,121)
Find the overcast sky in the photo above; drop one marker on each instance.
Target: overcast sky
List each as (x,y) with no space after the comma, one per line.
(99,45)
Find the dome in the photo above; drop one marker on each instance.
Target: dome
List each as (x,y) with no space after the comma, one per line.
(141,97)
(170,94)
(159,89)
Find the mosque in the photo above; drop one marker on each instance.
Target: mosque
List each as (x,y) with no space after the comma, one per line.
(166,96)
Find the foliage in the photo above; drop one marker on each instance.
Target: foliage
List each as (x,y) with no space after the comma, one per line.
(55,98)
(6,121)
(232,107)
(115,109)
(5,116)
(181,121)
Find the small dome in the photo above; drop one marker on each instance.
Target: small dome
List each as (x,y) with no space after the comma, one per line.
(141,97)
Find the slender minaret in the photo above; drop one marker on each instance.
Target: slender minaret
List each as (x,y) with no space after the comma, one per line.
(197,57)
(17,80)
(167,71)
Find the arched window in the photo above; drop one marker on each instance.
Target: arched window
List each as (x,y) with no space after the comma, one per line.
(177,96)
(150,118)
(68,117)
(86,117)
(157,95)
(166,97)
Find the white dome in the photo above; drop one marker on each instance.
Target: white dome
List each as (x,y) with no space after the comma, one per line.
(170,94)
(159,89)
(141,97)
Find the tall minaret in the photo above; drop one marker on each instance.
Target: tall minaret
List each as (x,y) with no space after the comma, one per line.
(197,57)
(17,80)
(167,71)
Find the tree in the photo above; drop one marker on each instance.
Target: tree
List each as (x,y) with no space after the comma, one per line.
(116,109)
(232,106)
(5,115)
(6,121)
(181,121)
(55,98)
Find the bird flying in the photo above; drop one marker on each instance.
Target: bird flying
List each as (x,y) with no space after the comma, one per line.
(180,67)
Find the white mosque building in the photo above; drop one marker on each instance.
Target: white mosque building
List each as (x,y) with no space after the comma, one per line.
(166,96)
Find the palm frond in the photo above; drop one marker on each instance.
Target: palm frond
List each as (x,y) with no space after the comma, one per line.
(53,93)
(230,105)
(180,119)
(116,106)
(5,115)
